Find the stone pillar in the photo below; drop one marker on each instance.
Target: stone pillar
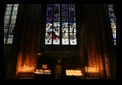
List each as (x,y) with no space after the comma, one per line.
(26,38)
(96,38)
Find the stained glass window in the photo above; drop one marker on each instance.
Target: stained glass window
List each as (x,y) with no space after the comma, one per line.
(113,21)
(9,22)
(60,24)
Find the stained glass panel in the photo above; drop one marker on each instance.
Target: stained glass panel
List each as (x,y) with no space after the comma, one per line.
(9,22)
(9,5)
(13,17)
(72,26)
(48,38)
(15,8)
(65,19)
(14,12)
(65,14)
(49,18)
(9,40)
(16,5)
(50,13)
(65,24)
(56,36)
(56,10)
(65,7)
(71,13)
(8,13)
(9,8)
(49,8)
(65,38)
(48,27)
(113,21)
(56,19)
(73,39)
(71,7)
(72,19)
(56,24)
(60,24)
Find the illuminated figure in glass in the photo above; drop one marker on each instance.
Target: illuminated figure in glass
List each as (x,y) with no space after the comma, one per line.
(60,24)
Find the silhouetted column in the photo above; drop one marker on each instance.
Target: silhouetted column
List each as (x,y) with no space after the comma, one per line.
(26,38)
(96,38)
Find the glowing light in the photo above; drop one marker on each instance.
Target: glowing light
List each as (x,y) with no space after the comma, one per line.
(41,71)
(26,68)
(74,73)
(44,66)
(91,69)
(47,71)
(39,54)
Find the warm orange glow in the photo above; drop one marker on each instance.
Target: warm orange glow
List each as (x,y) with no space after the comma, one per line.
(41,71)
(47,71)
(19,62)
(74,73)
(91,70)
(44,66)
(26,69)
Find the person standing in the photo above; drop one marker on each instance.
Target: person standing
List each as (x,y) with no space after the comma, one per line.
(58,71)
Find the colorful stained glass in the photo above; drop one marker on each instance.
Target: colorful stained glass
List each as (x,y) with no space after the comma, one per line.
(113,21)
(60,25)
(55,37)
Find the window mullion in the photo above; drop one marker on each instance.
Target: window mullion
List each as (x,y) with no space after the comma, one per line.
(60,24)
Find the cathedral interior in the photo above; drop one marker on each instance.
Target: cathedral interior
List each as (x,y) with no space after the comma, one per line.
(82,37)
